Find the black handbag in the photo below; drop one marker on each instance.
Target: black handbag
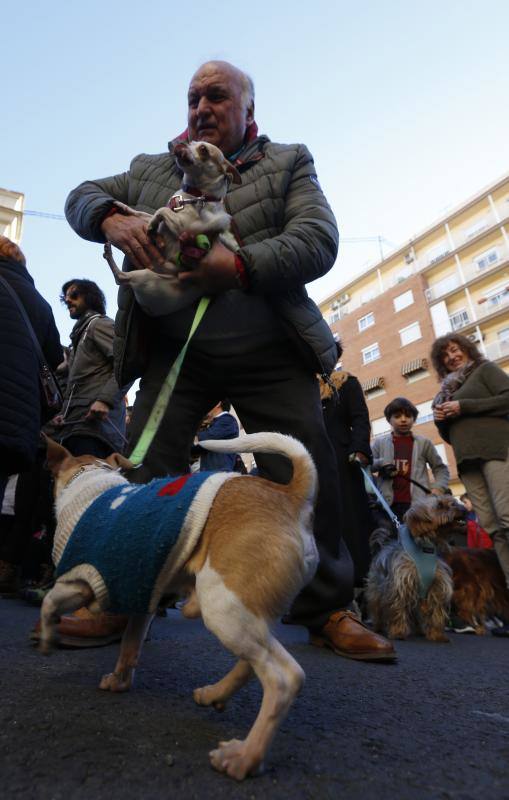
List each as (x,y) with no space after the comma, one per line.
(50,392)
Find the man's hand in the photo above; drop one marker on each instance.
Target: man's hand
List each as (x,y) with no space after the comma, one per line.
(129,234)
(58,421)
(98,410)
(362,459)
(213,273)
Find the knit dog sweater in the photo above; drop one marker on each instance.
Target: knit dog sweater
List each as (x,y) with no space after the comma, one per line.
(132,539)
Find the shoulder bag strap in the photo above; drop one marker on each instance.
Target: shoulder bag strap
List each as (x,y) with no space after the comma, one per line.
(21,309)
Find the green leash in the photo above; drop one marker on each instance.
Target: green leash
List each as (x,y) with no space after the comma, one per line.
(165,393)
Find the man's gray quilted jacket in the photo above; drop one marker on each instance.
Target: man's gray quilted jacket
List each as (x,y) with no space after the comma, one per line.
(287,231)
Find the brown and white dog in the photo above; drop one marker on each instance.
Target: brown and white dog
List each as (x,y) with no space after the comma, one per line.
(393,594)
(480,590)
(255,552)
(198,208)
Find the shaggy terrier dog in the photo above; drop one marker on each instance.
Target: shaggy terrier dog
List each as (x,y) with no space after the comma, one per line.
(401,599)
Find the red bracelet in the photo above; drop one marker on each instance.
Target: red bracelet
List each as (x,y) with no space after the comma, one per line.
(241,272)
(113,210)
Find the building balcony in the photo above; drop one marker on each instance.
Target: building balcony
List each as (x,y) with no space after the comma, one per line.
(473,271)
(497,350)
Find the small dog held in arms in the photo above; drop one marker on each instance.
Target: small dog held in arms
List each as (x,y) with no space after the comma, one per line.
(197,209)
(241,550)
(400,600)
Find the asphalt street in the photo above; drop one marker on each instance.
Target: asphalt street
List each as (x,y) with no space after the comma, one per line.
(434,725)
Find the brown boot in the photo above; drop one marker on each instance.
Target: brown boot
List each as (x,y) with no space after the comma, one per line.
(84,629)
(348,636)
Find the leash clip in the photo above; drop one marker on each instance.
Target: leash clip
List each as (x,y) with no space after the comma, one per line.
(177,203)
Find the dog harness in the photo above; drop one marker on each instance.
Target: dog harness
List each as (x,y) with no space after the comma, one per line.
(424,556)
(133,538)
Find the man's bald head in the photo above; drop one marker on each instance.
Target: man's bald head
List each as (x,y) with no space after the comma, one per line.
(220,105)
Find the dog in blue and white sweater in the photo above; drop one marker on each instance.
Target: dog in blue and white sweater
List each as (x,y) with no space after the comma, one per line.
(240,546)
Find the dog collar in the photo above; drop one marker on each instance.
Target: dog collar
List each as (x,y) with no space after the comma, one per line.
(82,469)
(178,202)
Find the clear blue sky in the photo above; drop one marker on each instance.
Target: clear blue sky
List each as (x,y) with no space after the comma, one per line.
(403,104)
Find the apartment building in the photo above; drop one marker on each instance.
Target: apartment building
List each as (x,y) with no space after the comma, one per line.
(11,214)
(453,276)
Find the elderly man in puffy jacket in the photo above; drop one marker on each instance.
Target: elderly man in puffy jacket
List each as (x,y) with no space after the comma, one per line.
(261,341)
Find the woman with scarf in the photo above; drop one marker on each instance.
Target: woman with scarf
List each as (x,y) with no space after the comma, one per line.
(471,413)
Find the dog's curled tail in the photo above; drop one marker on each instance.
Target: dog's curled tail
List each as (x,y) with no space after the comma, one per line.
(304,482)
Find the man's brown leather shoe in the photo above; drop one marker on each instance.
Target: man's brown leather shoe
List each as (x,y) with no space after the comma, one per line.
(84,629)
(349,637)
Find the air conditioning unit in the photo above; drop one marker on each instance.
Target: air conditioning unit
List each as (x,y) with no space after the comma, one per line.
(344,298)
(335,305)
(409,258)
(475,337)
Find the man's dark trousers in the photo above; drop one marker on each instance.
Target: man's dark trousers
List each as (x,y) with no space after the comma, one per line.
(271,390)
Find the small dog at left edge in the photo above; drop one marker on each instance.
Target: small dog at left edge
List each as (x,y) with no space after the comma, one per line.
(244,551)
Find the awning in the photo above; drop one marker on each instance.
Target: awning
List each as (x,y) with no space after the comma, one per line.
(373,383)
(414,366)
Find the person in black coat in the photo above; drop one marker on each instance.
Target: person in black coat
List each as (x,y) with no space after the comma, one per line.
(20,405)
(20,413)
(347,421)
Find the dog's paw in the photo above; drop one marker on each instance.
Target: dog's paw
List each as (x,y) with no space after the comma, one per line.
(437,636)
(46,646)
(234,759)
(208,696)
(116,683)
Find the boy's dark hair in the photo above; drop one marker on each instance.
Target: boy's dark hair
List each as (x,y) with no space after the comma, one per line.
(400,404)
(226,405)
(93,296)
(464,497)
(463,342)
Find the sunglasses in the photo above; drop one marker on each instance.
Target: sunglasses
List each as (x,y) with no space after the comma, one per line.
(71,296)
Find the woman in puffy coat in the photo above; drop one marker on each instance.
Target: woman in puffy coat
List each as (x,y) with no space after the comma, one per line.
(20,416)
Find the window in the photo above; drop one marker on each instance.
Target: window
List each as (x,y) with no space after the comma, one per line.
(410,334)
(366,322)
(371,353)
(368,296)
(334,317)
(497,297)
(380,426)
(402,276)
(442,452)
(437,253)
(403,300)
(476,228)
(503,337)
(425,412)
(486,259)
(417,376)
(459,319)
(445,285)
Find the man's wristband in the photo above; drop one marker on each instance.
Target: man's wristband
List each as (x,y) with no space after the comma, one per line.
(112,210)
(241,272)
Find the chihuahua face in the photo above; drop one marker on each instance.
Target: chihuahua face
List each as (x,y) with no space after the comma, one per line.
(203,162)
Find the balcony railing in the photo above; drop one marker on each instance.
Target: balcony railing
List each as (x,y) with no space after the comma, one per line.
(492,305)
(499,349)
